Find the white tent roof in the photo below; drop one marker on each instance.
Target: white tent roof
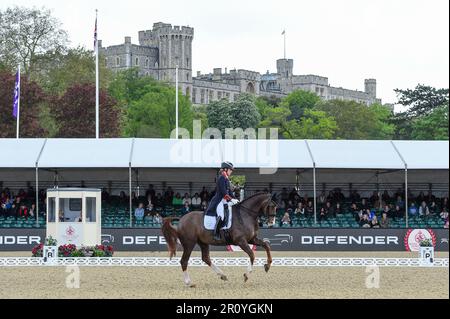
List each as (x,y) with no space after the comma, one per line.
(424,154)
(169,153)
(87,153)
(355,154)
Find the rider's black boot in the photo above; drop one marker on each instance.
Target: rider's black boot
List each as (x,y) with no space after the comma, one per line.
(217,229)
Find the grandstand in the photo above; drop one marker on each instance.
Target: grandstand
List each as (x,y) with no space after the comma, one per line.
(308,166)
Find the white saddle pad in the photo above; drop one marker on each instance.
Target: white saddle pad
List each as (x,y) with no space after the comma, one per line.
(210,221)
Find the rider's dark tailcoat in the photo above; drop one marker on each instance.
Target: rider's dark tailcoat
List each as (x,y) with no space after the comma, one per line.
(223,191)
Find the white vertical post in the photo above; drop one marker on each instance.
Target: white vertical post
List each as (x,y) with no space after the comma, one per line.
(314,190)
(284,33)
(18,107)
(176,101)
(406,196)
(37,197)
(131,200)
(96,81)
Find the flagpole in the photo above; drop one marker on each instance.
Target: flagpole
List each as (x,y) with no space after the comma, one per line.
(284,33)
(18,106)
(96,81)
(176,101)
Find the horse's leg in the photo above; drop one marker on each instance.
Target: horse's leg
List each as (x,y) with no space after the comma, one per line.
(259,242)
(245,247)
(187,250)
(207,260)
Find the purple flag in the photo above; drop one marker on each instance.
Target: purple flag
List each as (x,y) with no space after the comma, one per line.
(16,94)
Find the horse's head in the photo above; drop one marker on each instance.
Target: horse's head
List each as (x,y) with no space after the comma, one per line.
(269,210)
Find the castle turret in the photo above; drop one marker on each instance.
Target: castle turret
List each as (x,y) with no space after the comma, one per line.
(285,67)
(370,87)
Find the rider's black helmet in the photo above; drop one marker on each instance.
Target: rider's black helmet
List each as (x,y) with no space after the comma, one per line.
(227,165)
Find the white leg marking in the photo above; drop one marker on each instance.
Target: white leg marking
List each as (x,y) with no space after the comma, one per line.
(187,279)
(216,269)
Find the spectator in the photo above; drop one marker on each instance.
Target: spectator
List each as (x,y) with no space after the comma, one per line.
(204,195)
(364,204)
(399,202)
(286,220)
(309,210)
(322,198)
(444,214)
(370,214)
(186,199)
(104,195)
(139,212)
(186,208)
(374,199)
(150,193)
(204,205)
(446,223)
(421,197)
(323,215)
(337,210)
(61,216)
(329,209)
(292,195)
(32,211)
(433,208)
(413,210)
(271,222)
(305,199)
(384,222)
(398,212)
(123,199)
(23,211)
(157,219)
(196,201)
(355,212)
(364,222)
(177,200)
(168,196)
(444,203)
(339,196)
(290,205)
(374,222)
(299,210)
(159,200)
(79,219)
(423,210)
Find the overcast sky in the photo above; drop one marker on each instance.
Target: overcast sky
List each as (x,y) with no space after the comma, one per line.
(398,42)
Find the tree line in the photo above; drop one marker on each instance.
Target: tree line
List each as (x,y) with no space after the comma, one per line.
(58,98)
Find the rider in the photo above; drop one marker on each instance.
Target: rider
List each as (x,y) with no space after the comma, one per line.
(222,197)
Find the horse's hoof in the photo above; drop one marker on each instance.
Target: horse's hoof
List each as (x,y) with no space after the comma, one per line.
(266,267)
(223,277)
(190,285)
(245,277)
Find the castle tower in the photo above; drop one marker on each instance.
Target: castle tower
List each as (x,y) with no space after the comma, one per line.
(285,67)
(370,87)
(175,48)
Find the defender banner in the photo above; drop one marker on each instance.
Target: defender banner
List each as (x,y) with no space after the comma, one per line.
(281,239)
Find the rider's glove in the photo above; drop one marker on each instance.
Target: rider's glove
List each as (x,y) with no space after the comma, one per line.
(233,201)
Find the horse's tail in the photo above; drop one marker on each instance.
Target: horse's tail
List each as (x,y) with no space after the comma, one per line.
(170,234)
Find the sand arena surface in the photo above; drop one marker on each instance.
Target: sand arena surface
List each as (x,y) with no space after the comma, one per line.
(279,282)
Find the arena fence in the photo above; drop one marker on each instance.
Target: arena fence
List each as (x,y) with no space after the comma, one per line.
(219,261)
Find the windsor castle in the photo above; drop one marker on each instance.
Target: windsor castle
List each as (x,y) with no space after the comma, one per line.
(165,47)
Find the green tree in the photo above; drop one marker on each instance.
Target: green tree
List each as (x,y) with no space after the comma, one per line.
(219,115)
(314,125)
(244,112)
(298,101)
(152,114)
(382,127)
(26,34)
(433,126)
(57,71)
(420,102)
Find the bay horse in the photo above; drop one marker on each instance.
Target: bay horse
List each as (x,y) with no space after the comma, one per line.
(244,230)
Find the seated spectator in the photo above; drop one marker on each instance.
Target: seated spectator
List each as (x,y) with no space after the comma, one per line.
(337,210)
(322,198)
(204,205)
(370,213)
(412,210)
(177,200)
(168,196)
(398,212)
(374,222)
(186,199)
(61,216)
(32,211)
(444,203)
(387,211)
(305,199)
(271,222)
(186,208)
(323,215)
(384,222)
(23,211)
(286,220)
(421,197)
(139,212)
(79,219)
(299,210)
(157,218)
(329,209)
(149,209)
(399,202)
(290,205)
(444,214)
(433,208)
(446,223)
(355,211)
(423,210)
(364,222)
(196,201)
(364,204)
(309,210)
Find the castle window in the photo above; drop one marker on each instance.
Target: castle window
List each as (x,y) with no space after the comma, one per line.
(137,61)
(211,95)
(194,95)
(146,63)
(187,76)
(117,61)
(187,62)
(202,96)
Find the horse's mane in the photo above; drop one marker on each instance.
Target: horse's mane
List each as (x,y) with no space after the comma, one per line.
(254,195)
